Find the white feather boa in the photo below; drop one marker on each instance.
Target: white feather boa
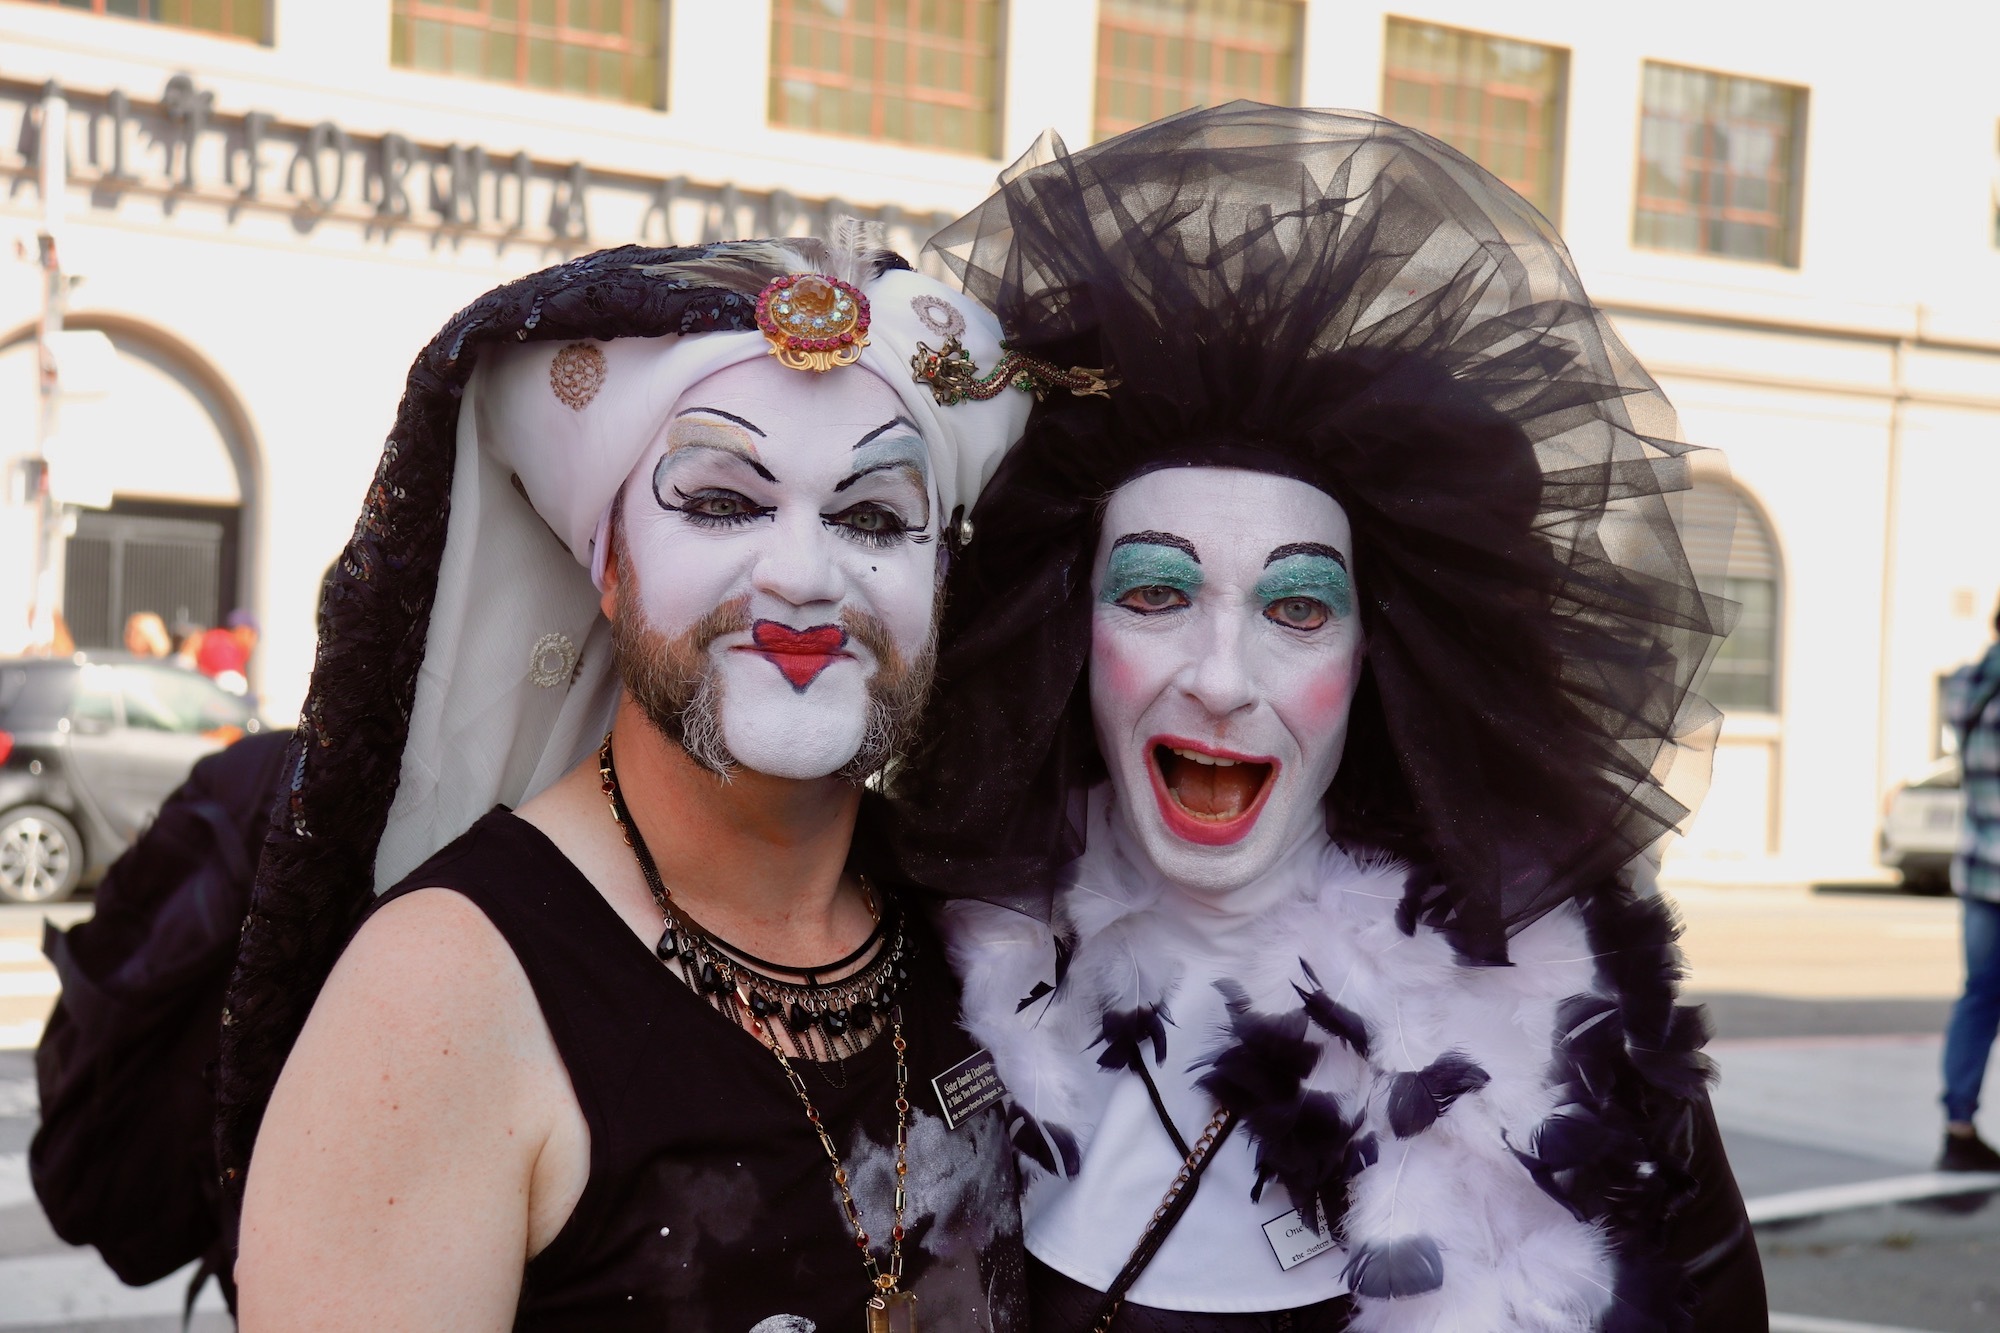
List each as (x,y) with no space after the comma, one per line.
(1513,1257)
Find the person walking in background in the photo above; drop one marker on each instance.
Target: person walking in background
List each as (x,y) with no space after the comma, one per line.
(188,636)
(224,655)
(1973,708)
(146,635)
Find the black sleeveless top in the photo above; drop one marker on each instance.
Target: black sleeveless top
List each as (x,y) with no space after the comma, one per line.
(710,1206)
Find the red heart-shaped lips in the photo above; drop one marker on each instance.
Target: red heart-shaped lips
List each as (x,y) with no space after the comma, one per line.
(801,654)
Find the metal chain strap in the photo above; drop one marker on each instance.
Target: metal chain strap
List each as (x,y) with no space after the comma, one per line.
(1195,1156)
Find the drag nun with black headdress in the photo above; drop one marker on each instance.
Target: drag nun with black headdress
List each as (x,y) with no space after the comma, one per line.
(1306,704)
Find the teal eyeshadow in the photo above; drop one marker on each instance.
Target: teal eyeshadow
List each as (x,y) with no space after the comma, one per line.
(1141,565)
(1312,576)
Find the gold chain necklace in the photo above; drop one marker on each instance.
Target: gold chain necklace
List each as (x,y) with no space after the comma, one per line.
(889,1309)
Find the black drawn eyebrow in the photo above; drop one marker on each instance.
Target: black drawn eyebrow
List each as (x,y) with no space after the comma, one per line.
(750,426)
(1181,544)
(736,454)
(889,465)
(1290,549)
(885,427)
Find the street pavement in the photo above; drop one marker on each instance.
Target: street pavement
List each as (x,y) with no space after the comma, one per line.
(44,1283)
(1827,1009)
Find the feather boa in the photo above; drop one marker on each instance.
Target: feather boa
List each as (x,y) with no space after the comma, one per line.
(1495,1147)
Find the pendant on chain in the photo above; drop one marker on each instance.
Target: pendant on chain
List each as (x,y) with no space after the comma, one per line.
(893,1312)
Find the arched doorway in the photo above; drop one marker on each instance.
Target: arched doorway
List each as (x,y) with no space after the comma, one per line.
(1726,533)
(163,450)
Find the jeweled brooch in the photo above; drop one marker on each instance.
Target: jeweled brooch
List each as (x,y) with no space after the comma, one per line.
(813,322)
(954,377)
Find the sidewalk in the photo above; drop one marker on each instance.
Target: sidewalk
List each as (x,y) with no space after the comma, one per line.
(1865,1105)
(46,1284)
(27,984)
(1829,1010)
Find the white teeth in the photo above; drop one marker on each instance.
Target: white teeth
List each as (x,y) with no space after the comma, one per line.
(1212,760)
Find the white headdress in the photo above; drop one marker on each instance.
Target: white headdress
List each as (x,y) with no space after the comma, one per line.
(517,682)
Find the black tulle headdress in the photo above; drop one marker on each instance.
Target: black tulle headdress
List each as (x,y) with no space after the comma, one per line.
(1333,297)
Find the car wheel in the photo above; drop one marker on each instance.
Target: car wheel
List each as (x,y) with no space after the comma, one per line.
(1926,883)
(41,855)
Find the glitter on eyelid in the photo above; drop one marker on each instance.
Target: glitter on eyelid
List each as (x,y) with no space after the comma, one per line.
(1143,565)
(1311,576)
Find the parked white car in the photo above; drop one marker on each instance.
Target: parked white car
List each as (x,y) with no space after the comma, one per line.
(1920,827)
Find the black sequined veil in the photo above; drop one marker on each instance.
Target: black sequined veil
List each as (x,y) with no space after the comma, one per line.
(1335,297)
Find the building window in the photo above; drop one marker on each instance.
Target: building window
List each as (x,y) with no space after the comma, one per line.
(1156,57)
(1500,102)
(591,48)
(1726,534)
(231,18)
(919,72)
(1996,189)
(1719,165)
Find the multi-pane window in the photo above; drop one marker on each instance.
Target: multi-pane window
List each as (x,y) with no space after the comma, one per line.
(592,48)
(1745,670)
(1498,101)
(1155,57)
(1719,165)
(232,18)
(918,72)
(1725,534)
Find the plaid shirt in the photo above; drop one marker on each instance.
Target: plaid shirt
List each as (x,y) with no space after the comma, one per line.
(1972,705)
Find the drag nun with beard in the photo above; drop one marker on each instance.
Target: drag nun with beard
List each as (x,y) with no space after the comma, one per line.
(1308,709)
(465,662)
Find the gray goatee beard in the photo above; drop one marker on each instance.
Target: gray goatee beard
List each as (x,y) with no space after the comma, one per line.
(673,680)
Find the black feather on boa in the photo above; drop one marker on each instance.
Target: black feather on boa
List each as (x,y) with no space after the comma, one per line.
(1617,1151)
(1302,1138)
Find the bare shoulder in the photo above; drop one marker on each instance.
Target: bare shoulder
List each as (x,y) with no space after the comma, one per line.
(421,1102)
(429,986)
(432,946)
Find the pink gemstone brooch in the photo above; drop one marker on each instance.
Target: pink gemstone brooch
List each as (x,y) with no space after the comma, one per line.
(813,322)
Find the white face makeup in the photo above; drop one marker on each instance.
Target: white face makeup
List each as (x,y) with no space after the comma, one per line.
(793,513)
(1225,650)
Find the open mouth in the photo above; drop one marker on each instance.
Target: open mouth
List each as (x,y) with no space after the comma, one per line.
(1208,795)
(799,654)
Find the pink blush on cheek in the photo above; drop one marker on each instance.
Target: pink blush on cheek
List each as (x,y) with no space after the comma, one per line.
(1321,704)
(1124,675)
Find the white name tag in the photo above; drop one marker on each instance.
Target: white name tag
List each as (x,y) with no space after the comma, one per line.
(1293,1243)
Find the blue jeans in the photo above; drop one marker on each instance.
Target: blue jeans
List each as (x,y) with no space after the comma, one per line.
(1975,1019)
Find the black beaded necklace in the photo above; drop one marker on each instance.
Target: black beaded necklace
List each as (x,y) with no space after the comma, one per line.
(829,1020)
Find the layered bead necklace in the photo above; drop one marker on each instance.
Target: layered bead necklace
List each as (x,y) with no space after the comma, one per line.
(834,1017)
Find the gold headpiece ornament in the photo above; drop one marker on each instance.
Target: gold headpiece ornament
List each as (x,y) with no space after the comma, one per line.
(813,322)
(954,376)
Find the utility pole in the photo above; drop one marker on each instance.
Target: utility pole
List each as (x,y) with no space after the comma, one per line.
(51,518)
